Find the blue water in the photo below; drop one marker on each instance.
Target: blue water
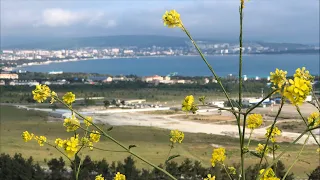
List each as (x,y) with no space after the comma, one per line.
(253,65)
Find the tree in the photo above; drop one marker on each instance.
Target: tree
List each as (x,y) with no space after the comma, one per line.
(315,174)
(57,169)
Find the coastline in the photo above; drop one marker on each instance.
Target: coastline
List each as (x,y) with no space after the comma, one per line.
(108,57)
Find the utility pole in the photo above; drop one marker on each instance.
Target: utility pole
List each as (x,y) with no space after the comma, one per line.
(262,95)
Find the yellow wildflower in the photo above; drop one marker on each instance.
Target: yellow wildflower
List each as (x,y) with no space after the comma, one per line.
(209,177)
(41,93)
(298,90)
(95,136)
(99,177)
(218,155)
(275,132)
(242,4)
(176,136)
(119,176)
(53,97)
(86,142)
(69,98)
(88,121)
(232,170)
(172,19)
(60,142)
(26,136)
(260,149)
(303,74)
(314,119)
(254,121)
(269,175)
(278,78)
(71,124)
(71,146)
(188,104)
(318,150)
(41,140)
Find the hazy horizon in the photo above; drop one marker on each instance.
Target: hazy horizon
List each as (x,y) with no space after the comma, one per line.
(290,21)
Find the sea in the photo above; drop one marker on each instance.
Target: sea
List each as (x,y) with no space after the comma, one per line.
(253,65)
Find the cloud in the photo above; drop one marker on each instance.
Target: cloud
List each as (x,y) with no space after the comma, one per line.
(58,17)
(285,20)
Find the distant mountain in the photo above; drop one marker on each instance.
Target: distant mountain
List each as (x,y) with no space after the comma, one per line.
(105,41)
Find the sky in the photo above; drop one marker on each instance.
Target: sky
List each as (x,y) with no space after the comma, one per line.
(264,20)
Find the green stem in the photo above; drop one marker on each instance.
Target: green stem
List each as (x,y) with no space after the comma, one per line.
(78,170)
(59,151)
(120,144)
(242,146)
(306,122)
(317,101)
(240,93)
(273,157)
(240,59)
(209,66)
(285,150)
(224,166)
(297,158)
(271,129)
(171,147)
(249,138)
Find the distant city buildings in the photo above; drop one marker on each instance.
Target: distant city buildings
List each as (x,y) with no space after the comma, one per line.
(18,57)
(8,76)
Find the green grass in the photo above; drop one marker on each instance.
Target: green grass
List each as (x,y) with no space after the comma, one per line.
(152,143)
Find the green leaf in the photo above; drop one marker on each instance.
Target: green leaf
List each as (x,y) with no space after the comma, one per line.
(171,157)
(132,146)
(110,128)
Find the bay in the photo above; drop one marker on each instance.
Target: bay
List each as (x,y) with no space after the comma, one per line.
(253,65)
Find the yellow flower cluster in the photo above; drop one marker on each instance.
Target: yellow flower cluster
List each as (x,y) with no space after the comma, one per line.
(172,19)
(41,140)
(218,155)
(260,149)
(303,74)
(69,98)
(71,123)
(254,121)
(209,177)
(314,119)
(71,146)
(318,150)
(41,93)
(297,91)
(269,175)
(60,142)
(275,132)
(86,142)
(88,121)
(119,176)
(26,136)
(99,177)
(188,104)
(278,78)
(176,136)
(95,136)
